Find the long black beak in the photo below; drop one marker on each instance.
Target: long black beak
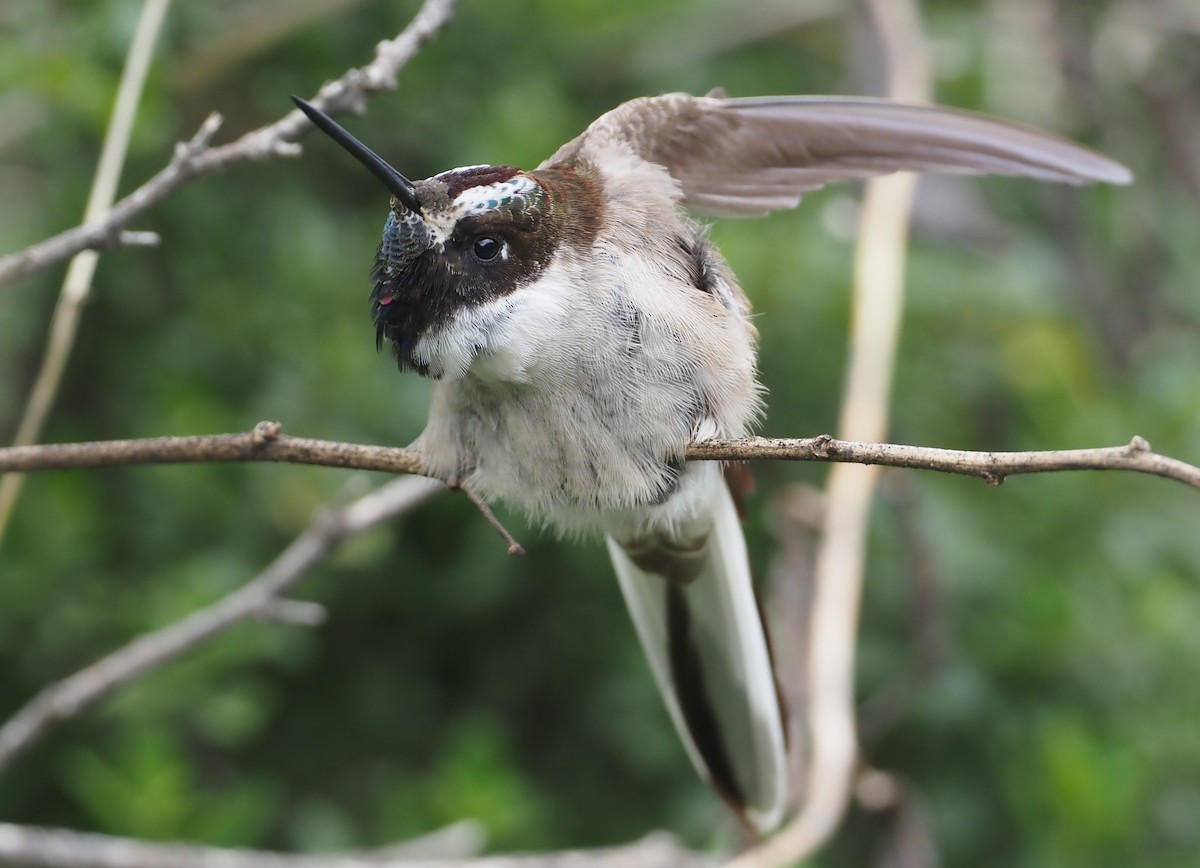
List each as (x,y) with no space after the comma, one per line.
(400,186)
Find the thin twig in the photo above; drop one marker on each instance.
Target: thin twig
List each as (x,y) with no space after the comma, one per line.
(992,467)
(69,697)
(251,446)
(77,286)
(196,158)
(60,848)
(514,547)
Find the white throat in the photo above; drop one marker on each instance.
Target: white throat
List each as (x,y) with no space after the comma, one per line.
(506,339)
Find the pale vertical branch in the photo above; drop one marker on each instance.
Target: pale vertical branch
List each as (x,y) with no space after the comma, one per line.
(875,334)
(78,283)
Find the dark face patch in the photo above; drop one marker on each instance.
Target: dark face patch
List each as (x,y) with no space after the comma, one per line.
(427,269)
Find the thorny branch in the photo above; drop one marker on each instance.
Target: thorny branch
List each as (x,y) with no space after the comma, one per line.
(196,157)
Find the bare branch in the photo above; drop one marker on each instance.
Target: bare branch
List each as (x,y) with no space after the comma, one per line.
(514,547)
(194,159)
(60,848)
(992,467)
(266,444)
(259,597)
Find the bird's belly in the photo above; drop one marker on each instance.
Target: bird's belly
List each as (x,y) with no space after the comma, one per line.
(587,453)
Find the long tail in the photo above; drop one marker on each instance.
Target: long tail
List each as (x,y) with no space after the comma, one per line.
(696,614)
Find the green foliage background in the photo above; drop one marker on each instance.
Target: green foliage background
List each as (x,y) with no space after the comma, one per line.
(1056,722)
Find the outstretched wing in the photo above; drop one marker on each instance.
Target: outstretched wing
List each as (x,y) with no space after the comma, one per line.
(746,157)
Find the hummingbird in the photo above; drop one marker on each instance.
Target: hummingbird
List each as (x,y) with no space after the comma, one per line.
(580,329)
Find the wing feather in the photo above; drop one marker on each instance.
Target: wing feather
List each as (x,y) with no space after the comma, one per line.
(752,156)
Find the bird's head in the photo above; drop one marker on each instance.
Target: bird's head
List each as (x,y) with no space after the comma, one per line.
(461,242)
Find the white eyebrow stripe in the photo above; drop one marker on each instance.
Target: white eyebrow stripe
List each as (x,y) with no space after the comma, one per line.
(478,200)
(486,197)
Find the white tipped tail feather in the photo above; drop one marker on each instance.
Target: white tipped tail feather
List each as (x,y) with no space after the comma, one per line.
(696,614)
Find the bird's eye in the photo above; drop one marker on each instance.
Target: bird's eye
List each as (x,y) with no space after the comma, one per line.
(487,247)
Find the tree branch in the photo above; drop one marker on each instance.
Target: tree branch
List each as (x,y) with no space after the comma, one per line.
(265,443)
(259,598)
(60,848)
(195,158)
(992,467)
(465,486)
